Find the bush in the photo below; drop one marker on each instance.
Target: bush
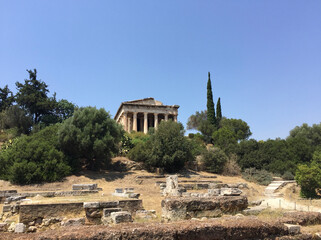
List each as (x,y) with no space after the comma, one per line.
(90,137)
(309,178)
(288,176)
(34,159)
(231,168)
(167,148)
(139,153)
(214,160)
(261,177)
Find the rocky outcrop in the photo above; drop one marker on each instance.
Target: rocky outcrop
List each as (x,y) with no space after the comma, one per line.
(174,209)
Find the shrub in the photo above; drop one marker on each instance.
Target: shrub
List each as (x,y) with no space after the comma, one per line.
(168,148)
(91,137)
(288,176)
(309,178)
(214,160)
(34,159)
(139,153)
(261,177)
(231,168)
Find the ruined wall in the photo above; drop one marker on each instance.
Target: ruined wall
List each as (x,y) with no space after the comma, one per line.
(30,212)
(174,209)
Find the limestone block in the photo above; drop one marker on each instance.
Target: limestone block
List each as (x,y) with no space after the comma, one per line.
(254,210)
(4,227)
(146,214)
(32,229)
(293,229)
(20,228)
(108,211)
(6,208)
(120,217)
(118,190)
(110,204)
(92,186)
(195,195)
(73,222)
(128,190)
(317,236)
(134,195)
(230,192)
(214,191)
(93,213)
(91,205)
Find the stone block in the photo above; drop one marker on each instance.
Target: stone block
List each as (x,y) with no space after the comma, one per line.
(118,190)
(120,217)
(73,222)
(91,205)
(108,211)
(92,186)
(93,212)
(134,195)
(254,210)
(20,228)
(4,227)
(32,229)
(293,229)
(128,190)
(6,208)
(146,214)
(230,192)
(214,191)
(110,204)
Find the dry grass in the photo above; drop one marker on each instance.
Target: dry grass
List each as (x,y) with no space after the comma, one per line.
(108,181)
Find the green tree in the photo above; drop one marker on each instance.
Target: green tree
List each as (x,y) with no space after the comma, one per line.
(32,96)
(15,117)
(240,128)
(214,160)
(91,137)
(196,119)
(168,148)
(210,103)
(6,98)
(225,139)
(312,134)
(309,178)
(218,111)
(34,159)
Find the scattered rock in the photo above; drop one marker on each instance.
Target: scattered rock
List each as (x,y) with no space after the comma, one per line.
(120,217)
(73,222)
(214,192)
(20,228)
(32,229)
(230,192)
(12,227)
(293,229)
(255,203)
(3,227)
(108,211)
(92,186)
(91,204)
(146,214)
(6,208)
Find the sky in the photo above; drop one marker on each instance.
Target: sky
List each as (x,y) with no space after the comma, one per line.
(264,56)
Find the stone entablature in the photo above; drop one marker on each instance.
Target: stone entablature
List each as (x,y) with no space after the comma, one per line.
(140,115)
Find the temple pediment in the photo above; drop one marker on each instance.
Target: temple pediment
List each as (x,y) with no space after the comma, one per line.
(145,101)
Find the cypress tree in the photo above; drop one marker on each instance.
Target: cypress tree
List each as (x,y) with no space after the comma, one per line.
(210,103)
(218,111)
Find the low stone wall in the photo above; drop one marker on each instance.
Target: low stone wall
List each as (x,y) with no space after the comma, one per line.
(31,212)
(174,209)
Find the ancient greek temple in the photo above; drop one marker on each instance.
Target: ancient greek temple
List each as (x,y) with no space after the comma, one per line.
(140,115)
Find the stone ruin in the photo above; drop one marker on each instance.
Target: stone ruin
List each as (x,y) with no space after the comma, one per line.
(126,193)
(219,199)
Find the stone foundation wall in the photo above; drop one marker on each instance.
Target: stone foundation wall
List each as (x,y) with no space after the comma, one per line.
(31,212)
(174,209)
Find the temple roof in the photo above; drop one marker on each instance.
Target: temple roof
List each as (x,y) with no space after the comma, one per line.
(144,102)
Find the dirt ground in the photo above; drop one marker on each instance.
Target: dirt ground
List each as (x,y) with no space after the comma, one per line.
(109,180)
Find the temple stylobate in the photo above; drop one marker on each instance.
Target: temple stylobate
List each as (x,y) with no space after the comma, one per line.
(140,115)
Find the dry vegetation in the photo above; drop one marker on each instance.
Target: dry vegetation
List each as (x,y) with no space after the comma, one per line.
(109,180)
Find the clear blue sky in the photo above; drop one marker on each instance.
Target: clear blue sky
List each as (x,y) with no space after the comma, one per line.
(264,56)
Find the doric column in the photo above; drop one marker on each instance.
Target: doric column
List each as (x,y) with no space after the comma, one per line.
(135,121)
(155,120)
(175,118)
(125,121)
(129,126)
(166,117)
(145,122)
